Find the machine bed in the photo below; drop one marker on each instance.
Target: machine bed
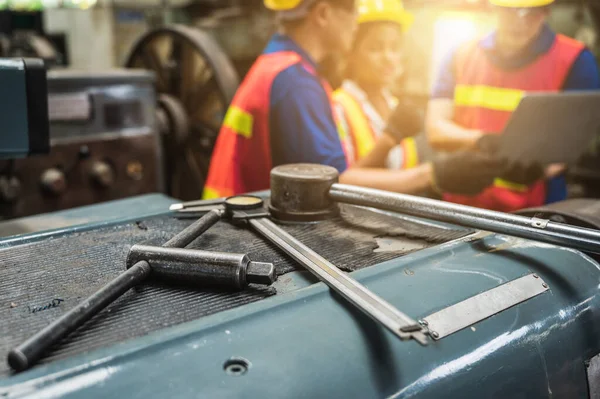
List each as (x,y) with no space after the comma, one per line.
(42,279)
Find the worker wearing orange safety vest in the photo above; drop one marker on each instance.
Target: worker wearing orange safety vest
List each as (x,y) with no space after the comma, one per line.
(374,64)
(484,81)
(282,113)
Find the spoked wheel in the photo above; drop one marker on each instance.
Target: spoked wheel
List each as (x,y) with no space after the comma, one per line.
(195,82)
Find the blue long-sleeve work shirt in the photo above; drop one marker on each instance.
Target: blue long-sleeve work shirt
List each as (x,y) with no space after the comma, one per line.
(301,121)
(584,75)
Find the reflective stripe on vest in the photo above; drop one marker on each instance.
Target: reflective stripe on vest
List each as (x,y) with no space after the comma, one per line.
(496,98)
(239,121)
(362,134)
(241,160)
(486,96)
(410,154)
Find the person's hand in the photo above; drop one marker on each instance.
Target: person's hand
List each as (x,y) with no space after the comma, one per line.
(525,173)
(405,121)
(465,172)
(489,143)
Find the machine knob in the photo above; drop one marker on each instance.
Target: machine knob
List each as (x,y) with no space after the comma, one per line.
(54,181)
(102,174)
(10,188)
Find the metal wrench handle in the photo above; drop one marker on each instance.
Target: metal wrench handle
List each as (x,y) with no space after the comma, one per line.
(372,305)
(504,223)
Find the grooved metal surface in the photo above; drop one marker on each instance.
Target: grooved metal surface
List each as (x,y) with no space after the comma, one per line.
(41,280)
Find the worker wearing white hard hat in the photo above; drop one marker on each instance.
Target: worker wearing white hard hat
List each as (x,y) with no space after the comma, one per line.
(482,83)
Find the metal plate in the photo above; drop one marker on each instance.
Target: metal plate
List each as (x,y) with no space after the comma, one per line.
(69,107)
(479,307)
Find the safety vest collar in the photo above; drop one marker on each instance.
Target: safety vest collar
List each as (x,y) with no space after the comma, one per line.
(360,117)
(281,43)
(375,119)
(538,47)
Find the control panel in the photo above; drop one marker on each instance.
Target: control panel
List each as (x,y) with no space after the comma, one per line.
(103,146)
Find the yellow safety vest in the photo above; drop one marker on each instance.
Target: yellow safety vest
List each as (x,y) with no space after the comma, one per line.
(362,134)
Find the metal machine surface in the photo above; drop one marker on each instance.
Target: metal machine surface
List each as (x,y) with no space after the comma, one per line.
(104,145)
(506,317)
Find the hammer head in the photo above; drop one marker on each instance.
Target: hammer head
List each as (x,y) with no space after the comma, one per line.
(300,192)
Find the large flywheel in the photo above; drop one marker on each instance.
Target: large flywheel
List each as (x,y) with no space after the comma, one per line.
(195,82)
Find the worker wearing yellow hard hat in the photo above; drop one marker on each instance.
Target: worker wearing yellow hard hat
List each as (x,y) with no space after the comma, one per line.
(483,81)
(364,101)
(282,112)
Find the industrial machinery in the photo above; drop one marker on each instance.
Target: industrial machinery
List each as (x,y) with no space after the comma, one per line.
(195,82)
(414,300)
(104,146)
(315,289)
(124,133)
(22,34)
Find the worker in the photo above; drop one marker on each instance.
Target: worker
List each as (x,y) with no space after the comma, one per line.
(483,81)
(364,101)
(282,113)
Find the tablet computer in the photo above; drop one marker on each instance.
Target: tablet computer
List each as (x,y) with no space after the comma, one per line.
(552,127)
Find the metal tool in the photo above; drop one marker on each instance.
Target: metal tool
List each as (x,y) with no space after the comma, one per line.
(542,230)
(236,270)
(195,267)
(292,179)
(362,298)
(250,209)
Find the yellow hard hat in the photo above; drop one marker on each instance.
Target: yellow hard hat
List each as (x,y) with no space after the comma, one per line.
(282,5)
(521,3)
(384,11)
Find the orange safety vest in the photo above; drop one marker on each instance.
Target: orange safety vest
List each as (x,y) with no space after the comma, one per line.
(362,134)
(241,161)
(485,97)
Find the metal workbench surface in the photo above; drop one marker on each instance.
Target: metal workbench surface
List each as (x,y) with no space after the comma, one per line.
(307,342)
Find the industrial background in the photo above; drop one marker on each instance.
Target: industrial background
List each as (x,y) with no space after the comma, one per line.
(116,281)
(196,53)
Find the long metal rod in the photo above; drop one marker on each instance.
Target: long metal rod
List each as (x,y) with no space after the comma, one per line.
(29,352)
(372,305)
(519,226)
(195,229)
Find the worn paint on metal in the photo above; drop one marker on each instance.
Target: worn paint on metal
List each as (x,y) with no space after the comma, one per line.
(309,343)
(83,219)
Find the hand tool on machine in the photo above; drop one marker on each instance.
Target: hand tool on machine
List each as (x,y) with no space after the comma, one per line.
(170,263)
(312,199)
(307,192)
(321,198)
(249,209)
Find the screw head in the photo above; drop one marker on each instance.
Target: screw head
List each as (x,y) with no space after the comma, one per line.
(236,366)
(545,285)
(536,276)
(435,334)
(423,323)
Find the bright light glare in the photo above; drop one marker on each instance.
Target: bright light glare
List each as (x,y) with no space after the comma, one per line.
(82,4)
(449,33)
